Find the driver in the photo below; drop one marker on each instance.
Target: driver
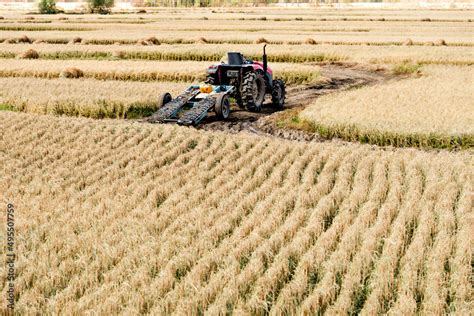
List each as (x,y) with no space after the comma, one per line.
(225,60)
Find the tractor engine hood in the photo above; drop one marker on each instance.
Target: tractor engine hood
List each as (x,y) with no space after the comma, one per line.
(259,66)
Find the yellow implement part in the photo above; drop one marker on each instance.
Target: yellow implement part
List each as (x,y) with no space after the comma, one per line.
(206,89)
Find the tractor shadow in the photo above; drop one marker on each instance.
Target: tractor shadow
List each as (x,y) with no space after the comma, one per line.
(239,114)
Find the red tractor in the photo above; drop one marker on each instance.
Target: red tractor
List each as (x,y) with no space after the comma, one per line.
(246,81)
(252,81)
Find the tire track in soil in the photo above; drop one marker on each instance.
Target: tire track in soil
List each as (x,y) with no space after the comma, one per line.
(336,77)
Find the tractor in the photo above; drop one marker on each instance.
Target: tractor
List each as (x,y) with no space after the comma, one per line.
(244,80)
(252,81)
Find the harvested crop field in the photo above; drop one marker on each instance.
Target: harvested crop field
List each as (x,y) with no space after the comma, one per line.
(244,224)
(355,198)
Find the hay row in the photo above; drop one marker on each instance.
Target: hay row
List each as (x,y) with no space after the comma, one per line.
(202,40)
(290,77)
(165,56)
(214,57)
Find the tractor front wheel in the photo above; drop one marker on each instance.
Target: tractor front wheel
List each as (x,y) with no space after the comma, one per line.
(163,99)
(278,94)
(253,91)
(222,107)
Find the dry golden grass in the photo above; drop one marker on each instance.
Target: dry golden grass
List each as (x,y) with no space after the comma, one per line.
(115,217)
(84,97)
(294,35)
(285,27)
(71,72)
(438,106)
(270,13)
(177,52)
(278,53)
(178,71)
(119,217)
(29,54)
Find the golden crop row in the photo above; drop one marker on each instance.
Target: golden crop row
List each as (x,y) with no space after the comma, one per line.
(281,53)
(241,40)
(143,70)
(244,224)
(375,28)
(435,110)
(369,19)
(284,22)
(84,97)
(277,35)
(184,26)
(47,27)
(165,53)
(306,13)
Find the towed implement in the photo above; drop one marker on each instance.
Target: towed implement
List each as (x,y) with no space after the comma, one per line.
(245,81)
(192,106)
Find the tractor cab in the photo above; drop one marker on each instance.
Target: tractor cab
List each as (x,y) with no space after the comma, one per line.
(236,59)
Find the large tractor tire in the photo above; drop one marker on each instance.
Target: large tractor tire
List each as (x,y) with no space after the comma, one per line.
(163,99)
(253,91)
(222,107)
(278,94)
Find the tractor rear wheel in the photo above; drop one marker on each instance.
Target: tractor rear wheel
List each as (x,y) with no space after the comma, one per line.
(163,99)
(253,91)
(278,94)
(222,107)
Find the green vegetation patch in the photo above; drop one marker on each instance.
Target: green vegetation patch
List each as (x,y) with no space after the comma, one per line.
(406,69)
(7,107)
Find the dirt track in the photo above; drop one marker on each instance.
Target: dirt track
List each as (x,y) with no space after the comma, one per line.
(335,78)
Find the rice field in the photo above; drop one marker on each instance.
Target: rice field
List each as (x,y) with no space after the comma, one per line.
(266,226)
(434,110)
(126,70)
(373,36)
(276,24)
(84,97)
(373,54)
(114,216)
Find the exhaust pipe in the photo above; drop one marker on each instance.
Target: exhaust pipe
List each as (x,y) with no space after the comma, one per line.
(265,64)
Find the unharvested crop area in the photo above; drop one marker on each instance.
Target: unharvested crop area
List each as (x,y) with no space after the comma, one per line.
(84,97)
(449,55)
(436,109)
(126,70)
(122,217)
(118,216)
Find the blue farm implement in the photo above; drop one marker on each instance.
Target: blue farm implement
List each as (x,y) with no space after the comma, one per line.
(193,105)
